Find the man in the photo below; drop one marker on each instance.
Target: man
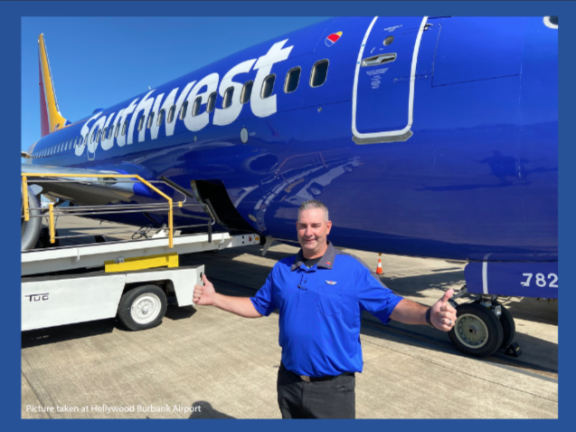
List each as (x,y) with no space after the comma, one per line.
(321,293)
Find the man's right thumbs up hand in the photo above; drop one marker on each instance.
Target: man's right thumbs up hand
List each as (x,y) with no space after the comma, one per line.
(204,295)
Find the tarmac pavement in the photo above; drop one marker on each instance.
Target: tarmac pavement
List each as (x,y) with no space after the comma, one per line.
(202,362)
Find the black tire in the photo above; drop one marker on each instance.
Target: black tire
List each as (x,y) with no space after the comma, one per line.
(508,325)
(142,307)
(477,331)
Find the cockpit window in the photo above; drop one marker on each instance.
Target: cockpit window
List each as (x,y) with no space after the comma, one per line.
(551,22)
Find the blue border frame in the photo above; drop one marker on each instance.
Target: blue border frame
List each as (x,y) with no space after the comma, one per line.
(10,31)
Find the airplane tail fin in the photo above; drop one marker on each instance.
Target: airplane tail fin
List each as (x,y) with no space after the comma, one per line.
(50,117)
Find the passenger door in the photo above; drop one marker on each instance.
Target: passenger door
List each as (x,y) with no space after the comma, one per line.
(384,79)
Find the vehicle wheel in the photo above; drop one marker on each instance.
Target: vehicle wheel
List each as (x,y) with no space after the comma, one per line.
(142,308)
(477,330)
(508,325)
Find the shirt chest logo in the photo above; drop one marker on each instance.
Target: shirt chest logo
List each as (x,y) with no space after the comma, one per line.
(331,282)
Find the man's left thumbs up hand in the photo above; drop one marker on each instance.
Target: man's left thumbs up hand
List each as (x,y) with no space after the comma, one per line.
(443,315)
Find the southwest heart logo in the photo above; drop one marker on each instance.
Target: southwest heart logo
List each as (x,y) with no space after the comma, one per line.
(331,282)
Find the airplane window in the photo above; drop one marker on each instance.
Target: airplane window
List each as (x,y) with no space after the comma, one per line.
(104,132)
(183,110)
(124,127)
(171,114)
(110,130)
(140,123)
(98,135)
(150,120)
(196,106)
(211,102)
(117,129)
(227,100)
(268,86)
(292,79)
(246,92)
(319,73)
(160,117)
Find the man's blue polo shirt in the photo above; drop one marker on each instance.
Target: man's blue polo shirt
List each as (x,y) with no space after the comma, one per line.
(320,309)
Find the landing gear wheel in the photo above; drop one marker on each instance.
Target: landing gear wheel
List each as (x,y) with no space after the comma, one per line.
(508,326)
(142,308)
(477,331)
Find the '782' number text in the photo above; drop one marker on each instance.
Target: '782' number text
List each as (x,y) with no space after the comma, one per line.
(540,280)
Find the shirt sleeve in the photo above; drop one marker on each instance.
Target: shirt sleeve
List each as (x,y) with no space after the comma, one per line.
(264,299)
(375,297)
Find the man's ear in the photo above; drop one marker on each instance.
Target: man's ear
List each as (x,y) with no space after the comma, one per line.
(328,227)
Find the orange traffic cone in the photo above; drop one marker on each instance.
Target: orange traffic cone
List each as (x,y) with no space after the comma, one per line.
(379,268)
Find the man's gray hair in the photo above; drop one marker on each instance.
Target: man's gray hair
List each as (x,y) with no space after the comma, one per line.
(313,204)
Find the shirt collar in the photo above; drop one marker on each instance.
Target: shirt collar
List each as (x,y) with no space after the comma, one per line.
(326,262)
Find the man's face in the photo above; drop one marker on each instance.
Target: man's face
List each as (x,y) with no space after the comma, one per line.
(312,232)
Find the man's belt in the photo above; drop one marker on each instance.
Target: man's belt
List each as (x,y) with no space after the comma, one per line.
(316,379)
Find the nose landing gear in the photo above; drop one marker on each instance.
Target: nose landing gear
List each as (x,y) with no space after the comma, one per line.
(483,327)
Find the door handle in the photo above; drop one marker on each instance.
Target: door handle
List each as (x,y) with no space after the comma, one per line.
(378,59)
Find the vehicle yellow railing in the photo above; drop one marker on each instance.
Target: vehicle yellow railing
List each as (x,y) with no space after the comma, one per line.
(126,176)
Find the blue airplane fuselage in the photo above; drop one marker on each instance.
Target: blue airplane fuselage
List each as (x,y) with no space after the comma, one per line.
(444,146)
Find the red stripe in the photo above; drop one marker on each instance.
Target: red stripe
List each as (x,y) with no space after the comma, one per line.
(333,37)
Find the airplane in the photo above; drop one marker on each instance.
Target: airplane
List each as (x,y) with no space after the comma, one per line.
(425,136)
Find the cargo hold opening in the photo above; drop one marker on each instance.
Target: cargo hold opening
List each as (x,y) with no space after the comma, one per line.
(212,193)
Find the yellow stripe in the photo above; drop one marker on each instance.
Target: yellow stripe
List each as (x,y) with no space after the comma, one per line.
(54,116)
(142,263)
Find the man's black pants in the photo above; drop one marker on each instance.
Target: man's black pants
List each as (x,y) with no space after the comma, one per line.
(334,398)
